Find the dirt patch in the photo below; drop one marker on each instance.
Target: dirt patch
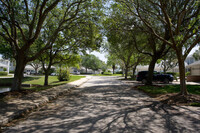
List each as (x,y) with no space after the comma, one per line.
(14,94)
(177,99)
(173,98)
(149,94)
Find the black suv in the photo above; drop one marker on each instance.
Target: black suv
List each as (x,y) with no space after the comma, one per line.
(166,78)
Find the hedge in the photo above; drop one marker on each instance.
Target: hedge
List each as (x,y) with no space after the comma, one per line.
(3,73)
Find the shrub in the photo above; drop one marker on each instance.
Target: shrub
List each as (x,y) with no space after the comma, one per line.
(52,70)
(12,72)
(4,69)
(107,73)
(120,72)
(3,73)
(64,74)
(187,73)
(130,73)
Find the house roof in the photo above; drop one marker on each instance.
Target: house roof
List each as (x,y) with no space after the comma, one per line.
(194,64)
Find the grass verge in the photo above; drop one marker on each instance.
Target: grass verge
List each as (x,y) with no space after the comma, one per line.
(53,81)
(192,89)
(39,81)
(169,94)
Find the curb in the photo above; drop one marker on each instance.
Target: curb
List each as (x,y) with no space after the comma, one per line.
(27,110)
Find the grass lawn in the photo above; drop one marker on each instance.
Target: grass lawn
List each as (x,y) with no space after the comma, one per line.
(6,76)
(169,94)
(53,81)
(193,89)
(106,74)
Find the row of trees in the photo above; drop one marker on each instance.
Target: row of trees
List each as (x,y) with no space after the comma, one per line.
(52,31)
(92,62)
(155,28)
(138,32)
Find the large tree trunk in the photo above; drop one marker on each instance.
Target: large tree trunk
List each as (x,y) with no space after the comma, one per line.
(113,67)
(134,68)
(46,77)
(151,70)
(126,72)
(122,71)
(36,70)
(183,86)
(164,69)
(19,71)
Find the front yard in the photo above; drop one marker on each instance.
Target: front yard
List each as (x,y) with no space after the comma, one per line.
(38,82)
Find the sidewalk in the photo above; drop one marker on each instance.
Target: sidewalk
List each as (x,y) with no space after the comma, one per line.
(16,107)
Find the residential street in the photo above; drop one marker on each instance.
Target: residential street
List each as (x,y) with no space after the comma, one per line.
(105,104)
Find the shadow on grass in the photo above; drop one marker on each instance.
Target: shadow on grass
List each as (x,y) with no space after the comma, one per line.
(8,81)
(156,89)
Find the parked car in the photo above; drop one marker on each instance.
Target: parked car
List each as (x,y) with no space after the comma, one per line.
(54,74)
(165,78)
(75,72)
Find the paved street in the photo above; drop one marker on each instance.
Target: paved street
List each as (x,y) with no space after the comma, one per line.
(105,104)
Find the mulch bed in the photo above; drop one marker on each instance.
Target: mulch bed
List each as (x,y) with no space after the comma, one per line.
(173,98)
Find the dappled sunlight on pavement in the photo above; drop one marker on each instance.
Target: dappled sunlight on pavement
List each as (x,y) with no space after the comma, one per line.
(105,104)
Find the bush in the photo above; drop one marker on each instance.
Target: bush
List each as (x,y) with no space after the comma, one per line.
(107,73)
(187,73)
(4,69)
(64,74)
(12,72)
(52,70)
(130,73)
(120,72)
(3,73)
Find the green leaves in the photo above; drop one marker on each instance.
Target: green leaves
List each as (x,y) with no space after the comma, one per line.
(91,62)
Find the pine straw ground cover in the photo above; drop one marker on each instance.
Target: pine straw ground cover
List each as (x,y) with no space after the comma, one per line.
(169,94)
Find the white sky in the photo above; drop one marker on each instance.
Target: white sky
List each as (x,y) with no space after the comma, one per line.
(100,55)
(193,50)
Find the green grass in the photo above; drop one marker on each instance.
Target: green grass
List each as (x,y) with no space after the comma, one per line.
(53,81)
(195,104)
(106,74)
(193,89)
(6,76)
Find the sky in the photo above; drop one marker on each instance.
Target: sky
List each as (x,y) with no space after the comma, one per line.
(100,55)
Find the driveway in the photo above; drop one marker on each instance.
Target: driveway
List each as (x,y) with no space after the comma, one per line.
(105,104)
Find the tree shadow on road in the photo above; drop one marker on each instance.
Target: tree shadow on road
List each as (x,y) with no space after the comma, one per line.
(109,108)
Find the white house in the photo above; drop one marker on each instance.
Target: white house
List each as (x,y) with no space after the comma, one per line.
(194,70)
(4,64)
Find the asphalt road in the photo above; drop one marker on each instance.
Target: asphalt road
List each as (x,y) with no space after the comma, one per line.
(107,105)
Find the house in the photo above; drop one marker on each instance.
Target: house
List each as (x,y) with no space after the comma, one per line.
(194,70)
(190,59)
(4,64)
